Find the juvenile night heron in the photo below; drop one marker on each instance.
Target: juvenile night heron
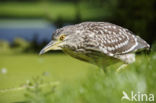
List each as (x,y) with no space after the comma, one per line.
(99,43)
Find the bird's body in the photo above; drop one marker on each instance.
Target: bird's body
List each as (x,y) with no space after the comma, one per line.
(100,43)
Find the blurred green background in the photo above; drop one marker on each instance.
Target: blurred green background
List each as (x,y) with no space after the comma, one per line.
(26,26)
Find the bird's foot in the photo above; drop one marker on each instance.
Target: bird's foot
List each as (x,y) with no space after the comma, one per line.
(123,66)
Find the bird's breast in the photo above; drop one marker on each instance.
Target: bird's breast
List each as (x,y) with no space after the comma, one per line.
(77,54)
(96,58)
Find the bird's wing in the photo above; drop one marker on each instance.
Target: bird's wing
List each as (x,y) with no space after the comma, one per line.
(112,39)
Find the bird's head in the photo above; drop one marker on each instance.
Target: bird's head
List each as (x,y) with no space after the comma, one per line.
(61,38)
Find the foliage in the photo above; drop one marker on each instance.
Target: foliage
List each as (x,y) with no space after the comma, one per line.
(153,48)
(4,46)
(79,82)
(35,92)
(20,43)
(100,87)
(21,68)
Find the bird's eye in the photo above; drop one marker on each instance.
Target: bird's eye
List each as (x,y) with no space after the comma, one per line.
(62,37)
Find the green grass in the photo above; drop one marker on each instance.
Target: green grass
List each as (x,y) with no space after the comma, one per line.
(65,10)
(53,10)
(78,82)
(23,67)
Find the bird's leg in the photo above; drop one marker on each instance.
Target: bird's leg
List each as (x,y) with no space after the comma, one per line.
(123,66)
(104,70)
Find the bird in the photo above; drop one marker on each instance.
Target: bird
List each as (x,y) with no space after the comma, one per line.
(99,43)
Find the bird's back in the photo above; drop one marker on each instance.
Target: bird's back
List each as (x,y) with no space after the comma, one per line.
(110,38)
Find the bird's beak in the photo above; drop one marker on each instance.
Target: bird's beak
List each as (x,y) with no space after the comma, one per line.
(52,45)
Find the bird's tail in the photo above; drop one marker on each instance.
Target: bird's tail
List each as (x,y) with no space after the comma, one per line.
(142,44)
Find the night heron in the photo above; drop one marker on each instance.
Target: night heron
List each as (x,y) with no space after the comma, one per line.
(99,43)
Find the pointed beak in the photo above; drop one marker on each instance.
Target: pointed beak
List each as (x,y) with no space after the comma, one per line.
(52,45)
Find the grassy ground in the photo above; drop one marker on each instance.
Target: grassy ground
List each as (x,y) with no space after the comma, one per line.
(21,68)
(57,10)
(75,81)
(37,10)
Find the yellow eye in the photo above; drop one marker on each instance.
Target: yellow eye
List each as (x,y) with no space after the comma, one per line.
(62,37)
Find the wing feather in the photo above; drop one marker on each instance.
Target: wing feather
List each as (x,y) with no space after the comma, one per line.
(110,39)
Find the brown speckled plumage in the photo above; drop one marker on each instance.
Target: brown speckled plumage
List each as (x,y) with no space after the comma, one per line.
(98,42)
